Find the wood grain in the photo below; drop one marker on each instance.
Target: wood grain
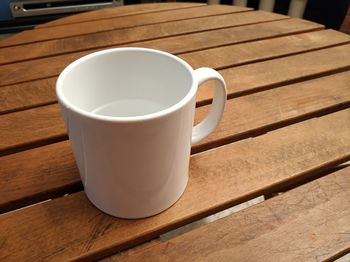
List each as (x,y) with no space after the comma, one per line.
(20,129)
(255,77)
(44,124)
(227,56)
(36,175)
(309,223)
(231,35)
(104,27)
(30,176)
(26,95)
(175,44)
(287,45)
(64,31)
(287,121)
(118,11)
(70,227)
(240,80)
(276,107)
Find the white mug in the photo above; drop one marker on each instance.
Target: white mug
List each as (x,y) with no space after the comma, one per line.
(129,113)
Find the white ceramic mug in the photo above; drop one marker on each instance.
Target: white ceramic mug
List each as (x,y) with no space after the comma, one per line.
(129,113)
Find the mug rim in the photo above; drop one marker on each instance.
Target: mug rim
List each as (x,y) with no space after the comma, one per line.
(63,100)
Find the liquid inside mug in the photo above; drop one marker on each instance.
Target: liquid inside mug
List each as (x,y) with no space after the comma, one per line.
(129,113)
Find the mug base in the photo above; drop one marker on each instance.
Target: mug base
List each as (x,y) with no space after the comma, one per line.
(124,215)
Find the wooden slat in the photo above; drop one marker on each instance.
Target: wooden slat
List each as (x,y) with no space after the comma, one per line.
(70,227)
(232,35)
(89,27)
(118,11)
(30,175)
(51,66)
(35,175)
(96,28)
(17,128)
(27,95)
(267,74)
(276,107)
(240,79)
(176,44)
(264,49)
(309,223)
(23,128)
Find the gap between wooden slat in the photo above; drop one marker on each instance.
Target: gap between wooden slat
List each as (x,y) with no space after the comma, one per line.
(340,101)
(11,55)
(296,103)
(32,70)
(228,212)
(77,185)
(86,233)
(317,175)
(281,56)
(127,36)
(275,228)
(342,256)
(56,130)
(279,71)
(287,82)
(41,35)
(209,219)
(34,144)
(208,101)
(97,15)
(43,26)
(26,107)
(249,41)
(268,128)
(60,134)
(28,102)
(222,214)
(40,92)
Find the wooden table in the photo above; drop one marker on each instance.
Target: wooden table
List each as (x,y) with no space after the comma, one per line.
(286,128)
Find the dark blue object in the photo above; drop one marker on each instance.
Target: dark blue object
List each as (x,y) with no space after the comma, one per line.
(5,11)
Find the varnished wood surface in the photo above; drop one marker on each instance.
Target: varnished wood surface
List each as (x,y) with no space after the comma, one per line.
(33,69)
(145,31)
(286,123)
(236,169)
(175,44)
(255,234)
(296,102)
(47,120)
(246,79)
(108,13)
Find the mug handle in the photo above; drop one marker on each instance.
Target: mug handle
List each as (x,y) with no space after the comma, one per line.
(208,124)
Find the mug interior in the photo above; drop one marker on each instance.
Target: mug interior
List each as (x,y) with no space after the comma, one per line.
(125,82)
